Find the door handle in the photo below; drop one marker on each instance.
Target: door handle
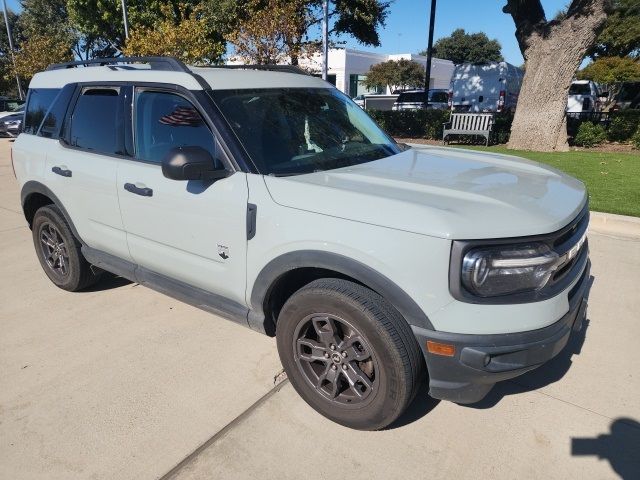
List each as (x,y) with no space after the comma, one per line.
(61,171)
(144,191)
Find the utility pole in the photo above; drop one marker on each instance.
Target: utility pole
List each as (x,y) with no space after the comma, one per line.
(427,76)
(325,39)
(125,19)
(13,58)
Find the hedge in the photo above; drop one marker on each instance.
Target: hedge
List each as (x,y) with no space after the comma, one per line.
(429,123)
(620,126)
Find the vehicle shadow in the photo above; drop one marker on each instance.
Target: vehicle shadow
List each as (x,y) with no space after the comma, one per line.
(545,375)
(549,373)
(420,407)
(108,281)
(620,447)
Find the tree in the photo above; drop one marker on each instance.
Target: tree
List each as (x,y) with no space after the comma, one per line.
(553,50)
(461,47)
(38,52)
(264,37)
(360,19)
(101,20)
(401,74)
(7,77)
(620,36)
(184,34)
(609,70)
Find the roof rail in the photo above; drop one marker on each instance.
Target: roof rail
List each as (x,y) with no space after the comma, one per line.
(156,63)
(274,68)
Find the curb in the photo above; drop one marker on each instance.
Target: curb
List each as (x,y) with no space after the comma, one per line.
(617,225)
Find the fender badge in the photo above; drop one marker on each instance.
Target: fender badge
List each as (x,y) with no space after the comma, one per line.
(223,251)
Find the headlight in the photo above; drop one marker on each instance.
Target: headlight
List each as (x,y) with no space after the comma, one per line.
(502,270)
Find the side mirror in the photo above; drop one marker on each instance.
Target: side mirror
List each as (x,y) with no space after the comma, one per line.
(191,163)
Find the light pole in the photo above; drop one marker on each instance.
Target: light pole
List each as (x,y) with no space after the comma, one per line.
(325,38)
(13,58)
(125,19)
(427,76)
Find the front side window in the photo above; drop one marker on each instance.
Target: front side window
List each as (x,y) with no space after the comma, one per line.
(164,121)
(96,123)
(288,131)
(38,102)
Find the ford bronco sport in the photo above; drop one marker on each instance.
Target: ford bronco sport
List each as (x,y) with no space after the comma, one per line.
(266,196)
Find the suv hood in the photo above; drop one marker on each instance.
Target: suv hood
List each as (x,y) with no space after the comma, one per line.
(441,192)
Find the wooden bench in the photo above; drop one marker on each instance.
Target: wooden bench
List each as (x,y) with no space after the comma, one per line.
(469,124)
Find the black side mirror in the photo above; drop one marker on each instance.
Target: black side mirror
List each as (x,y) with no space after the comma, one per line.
(191,163)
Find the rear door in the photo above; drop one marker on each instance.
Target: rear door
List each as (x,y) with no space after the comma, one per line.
(81,167)
(191,231)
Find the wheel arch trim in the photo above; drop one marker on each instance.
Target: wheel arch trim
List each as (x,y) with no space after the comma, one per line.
(31,187)
(279,266)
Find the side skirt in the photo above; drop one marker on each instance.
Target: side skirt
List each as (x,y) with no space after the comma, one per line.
(197,297)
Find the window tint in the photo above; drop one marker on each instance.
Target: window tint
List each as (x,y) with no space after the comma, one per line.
(96,123)
(38,102)
(579,89)
(288,131)
(411,97)
(52,123)
(164,121)
(441,97)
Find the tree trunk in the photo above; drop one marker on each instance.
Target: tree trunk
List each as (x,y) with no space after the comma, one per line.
(553,52)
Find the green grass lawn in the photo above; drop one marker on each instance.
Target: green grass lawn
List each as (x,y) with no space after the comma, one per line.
(613,179)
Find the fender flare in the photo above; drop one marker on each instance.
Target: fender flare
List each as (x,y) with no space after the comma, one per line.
(364,274)
(32,187)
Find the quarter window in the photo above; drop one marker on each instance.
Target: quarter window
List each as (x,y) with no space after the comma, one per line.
(96,123)
(38,102)
(164,121)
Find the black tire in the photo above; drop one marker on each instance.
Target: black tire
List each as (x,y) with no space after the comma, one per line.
(49,224)
(366,325)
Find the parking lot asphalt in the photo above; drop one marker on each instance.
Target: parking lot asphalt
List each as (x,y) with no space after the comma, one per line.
(123,382)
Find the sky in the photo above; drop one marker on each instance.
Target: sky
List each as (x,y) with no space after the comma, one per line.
(407,26)
(408,23)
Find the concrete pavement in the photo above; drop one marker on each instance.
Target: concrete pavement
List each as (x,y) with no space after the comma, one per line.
(122,382)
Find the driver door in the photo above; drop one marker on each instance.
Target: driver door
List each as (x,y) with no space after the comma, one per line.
(190,231)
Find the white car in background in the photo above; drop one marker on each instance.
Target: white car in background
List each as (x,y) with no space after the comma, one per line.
(584,97)
(414,100)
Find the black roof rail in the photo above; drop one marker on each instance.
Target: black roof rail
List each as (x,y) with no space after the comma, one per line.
(274,68)
(156,63)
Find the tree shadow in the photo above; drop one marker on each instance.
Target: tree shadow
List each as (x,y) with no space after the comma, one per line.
(620,447)
(108,281)
(422,404)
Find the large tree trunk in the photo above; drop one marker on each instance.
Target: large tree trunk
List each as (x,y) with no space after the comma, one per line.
(553,52)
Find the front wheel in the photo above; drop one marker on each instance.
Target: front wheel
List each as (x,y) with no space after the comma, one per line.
(348,353)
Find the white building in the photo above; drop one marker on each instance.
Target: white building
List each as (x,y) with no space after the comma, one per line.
(348,68)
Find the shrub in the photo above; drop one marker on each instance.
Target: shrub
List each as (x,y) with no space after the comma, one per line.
(623,125)
(411,123)
(590,134)
(635,140)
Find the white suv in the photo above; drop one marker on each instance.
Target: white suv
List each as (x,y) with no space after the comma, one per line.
(268,197)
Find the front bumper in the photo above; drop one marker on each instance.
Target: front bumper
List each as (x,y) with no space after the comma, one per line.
(482,360)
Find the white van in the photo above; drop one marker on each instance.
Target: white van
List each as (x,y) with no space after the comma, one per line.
(485,87)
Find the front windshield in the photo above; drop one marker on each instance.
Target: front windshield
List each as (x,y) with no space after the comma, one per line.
(289,131)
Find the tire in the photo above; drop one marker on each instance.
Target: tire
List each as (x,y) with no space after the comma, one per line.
(57,247)
(371,340)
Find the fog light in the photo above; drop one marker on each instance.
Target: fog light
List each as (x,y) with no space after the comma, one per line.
(443,349)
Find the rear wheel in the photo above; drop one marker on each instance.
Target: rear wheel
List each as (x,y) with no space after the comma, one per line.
(59,251)
(348,353)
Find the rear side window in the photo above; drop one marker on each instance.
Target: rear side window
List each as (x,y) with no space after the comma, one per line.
(164,121)
(38,102)
(441,97)
(96,122)
(411,97)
